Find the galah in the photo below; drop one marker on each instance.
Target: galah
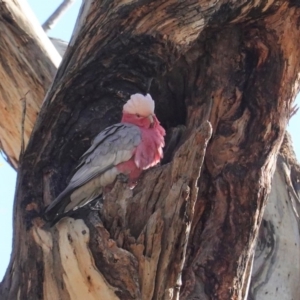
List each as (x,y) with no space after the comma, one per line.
(125,148)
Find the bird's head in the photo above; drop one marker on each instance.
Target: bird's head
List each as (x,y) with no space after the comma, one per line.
(139,110)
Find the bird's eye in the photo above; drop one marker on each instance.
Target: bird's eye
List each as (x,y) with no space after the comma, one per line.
(138,115)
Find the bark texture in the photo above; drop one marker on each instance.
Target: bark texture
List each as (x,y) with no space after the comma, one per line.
(225,69)
(276,269)
(27,66)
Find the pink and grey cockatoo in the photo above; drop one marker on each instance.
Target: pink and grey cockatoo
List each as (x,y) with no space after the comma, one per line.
(126,148)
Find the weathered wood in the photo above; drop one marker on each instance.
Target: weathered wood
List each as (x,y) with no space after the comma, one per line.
(27,65)
(249,111)
(277,257)
(154,227)
(240,75)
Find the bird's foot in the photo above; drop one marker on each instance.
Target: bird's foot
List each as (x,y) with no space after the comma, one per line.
(123,178)
(96,205)
(131,183)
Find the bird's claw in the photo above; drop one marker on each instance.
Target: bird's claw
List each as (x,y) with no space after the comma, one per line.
(123,178)
(97,206)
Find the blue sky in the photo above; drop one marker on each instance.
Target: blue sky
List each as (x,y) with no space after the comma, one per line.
(62,30)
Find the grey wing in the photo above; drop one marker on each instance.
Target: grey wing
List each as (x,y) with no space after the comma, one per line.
(112,146)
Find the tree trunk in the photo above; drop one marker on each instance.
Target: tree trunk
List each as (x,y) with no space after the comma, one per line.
(276,269)
(227,70)
(27,66)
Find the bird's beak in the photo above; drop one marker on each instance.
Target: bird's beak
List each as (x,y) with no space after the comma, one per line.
(150,117)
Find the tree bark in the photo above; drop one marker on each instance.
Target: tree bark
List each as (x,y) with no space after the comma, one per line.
(27,67)
(224,69)
(277,257)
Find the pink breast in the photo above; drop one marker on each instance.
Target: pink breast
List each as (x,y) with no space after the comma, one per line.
(149,152)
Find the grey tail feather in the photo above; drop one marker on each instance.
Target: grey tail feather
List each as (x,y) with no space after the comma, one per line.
(55,211)
(57,217)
